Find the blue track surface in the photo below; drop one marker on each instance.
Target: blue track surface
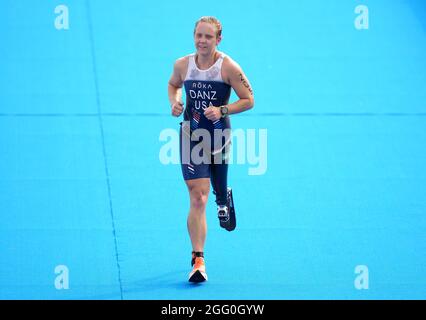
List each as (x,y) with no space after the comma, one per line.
(81,183)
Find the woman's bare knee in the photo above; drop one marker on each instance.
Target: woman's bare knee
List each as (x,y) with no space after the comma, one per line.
(198,199)
(199,192)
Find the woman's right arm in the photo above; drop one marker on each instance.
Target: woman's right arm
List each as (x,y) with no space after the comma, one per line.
(175,89)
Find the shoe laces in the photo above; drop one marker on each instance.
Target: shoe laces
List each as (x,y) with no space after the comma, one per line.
(196,255)
(199,263)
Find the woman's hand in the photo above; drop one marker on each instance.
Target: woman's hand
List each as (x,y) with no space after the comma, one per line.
(213,113)
(177,108)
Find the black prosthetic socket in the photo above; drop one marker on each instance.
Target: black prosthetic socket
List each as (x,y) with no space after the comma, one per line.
(219,181)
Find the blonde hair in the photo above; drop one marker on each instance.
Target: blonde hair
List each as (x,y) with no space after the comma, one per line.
(212,20)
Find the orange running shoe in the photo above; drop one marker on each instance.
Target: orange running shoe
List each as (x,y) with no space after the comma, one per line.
(198,273)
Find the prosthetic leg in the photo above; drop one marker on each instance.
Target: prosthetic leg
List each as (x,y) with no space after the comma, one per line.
(224,198)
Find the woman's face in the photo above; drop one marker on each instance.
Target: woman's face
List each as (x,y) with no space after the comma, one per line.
(205,38)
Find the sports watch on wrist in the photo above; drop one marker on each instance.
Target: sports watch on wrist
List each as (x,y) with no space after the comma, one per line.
(224,111)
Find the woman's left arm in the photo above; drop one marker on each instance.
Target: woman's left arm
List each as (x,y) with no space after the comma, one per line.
(241,85)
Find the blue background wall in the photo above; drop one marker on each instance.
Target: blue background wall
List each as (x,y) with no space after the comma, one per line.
(81,183)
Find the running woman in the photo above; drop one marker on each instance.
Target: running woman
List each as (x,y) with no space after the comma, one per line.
(208,76)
